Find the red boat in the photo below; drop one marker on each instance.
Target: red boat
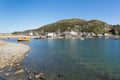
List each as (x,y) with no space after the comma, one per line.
(41,37)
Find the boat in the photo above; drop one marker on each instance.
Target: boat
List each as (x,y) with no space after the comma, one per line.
(117,37)
(81,38)
(41,37)
(23,39)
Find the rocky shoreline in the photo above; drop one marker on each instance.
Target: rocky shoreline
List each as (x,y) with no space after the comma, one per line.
(12,54)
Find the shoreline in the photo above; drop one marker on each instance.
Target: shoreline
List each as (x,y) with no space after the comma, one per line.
(11,54)
(19,36)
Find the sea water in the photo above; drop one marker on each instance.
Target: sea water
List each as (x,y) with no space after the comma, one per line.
(74,59)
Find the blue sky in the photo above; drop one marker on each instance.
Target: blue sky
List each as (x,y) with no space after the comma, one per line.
(19,15)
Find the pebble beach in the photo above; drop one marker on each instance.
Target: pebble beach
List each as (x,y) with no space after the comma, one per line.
(12,53)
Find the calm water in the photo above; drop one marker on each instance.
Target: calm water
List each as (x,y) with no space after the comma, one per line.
(74,59)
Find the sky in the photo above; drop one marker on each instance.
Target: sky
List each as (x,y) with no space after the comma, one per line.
(20,15)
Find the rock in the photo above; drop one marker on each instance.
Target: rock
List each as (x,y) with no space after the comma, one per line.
(7,74)
(26,55)
(1,71)
(2,66)
(18,67)
(18,64)
(19,71)
(35,72)
(42,76)
(11,65)
(10,69)
(37,76)
(60,75)
(28,71)
(30,78)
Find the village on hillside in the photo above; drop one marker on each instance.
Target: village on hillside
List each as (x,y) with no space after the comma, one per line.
(71,34)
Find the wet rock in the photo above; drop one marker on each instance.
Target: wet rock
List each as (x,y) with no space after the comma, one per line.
(7,74)
(28,71)
(19,71)
(1,71)
(42,76)
(10,69)
(26,55)
(18,67)
(60,75)
(35,72)
(30,78)
(37,76)
(2,78)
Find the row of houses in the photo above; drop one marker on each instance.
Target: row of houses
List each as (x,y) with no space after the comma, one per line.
(66,34)
(73,34)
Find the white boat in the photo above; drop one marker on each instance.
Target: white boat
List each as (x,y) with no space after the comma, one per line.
(116,38)
(82,39)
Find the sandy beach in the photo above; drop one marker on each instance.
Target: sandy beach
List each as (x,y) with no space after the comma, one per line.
(12,53)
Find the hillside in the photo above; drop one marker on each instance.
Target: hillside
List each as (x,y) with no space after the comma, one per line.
(76,24)
(63,25)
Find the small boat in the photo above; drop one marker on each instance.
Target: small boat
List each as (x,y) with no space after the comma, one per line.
(41,37)
(36,38)
(116,38)
(81,38)
(23,39)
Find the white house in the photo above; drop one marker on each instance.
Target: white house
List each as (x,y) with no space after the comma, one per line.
(99,35)
(106,34)
(93,34)
(73,33)
(31,33)
(51,35)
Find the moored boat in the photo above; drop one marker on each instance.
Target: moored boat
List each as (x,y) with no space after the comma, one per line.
(82,39)
(41,37)
(23,39)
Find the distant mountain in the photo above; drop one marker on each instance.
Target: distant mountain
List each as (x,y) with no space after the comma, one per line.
(76,24)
